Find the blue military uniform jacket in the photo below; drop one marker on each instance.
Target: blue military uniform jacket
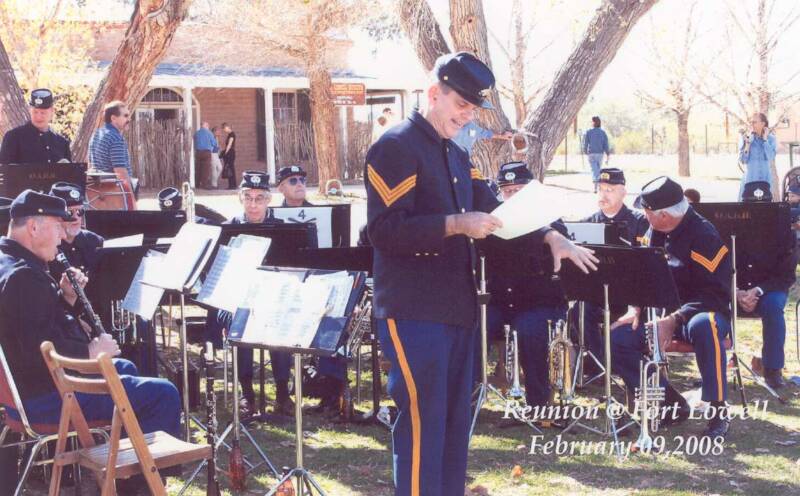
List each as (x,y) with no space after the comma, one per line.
(632,222)
(82,253)
(31,312)
(26,144)
(414,180)
(700,264)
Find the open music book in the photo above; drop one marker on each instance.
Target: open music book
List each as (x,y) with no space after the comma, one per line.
(186,257)
(226,284)
(288,308)
(143,299)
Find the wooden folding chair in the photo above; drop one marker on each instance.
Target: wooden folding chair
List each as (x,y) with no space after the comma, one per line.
(119,459)
(37,435)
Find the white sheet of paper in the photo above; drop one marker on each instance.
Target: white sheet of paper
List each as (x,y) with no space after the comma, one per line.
(185,255)
(226,284)
(284,311)
(587,232)
(531,208)
(124,242)
(321,216)
(256,245)
(142,299)
(341,284)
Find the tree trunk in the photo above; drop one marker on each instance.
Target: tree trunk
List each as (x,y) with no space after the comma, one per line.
(468,30)
(549,122)
(683,143)
(518,64)
(13,111)
(149,35)
(323,113)
(421,28)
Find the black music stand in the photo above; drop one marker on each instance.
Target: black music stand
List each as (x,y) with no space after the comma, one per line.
(608,233)
(328,339)
(749,228)
(154,224)
(16,178)
(625,276)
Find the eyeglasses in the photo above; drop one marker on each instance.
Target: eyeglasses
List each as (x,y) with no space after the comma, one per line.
(258,200)
(294,180)
(80,212)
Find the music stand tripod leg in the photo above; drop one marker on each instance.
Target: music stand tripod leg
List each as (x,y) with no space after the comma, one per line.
(303,479)
(185,372)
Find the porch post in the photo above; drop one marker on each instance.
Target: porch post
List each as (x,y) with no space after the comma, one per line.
(188,122)
(269,130)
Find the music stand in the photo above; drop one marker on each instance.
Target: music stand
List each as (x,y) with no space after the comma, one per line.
(184,261)
(328,338)
(625,276)
(333,226)
(154,224)
(748,228)
(16,178)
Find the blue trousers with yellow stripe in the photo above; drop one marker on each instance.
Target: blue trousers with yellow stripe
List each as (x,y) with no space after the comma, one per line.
(770,308)
(430,381)
(706,332)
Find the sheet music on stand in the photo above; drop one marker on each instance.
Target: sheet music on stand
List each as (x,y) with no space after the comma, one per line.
(186,257)
(227,282)
(143,299)
(341,284)
(283,310)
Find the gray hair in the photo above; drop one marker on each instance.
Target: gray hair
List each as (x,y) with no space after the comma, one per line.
(677,210)
(22,222)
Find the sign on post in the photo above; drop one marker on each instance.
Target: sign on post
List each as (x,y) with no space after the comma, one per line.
(348,93)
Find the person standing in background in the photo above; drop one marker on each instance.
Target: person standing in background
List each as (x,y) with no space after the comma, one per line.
(228,156)
(216,162)
(108,150)
(756,152)
(204,145)
(595,144)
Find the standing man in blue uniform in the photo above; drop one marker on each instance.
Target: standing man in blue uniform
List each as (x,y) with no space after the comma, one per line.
(35,142)
(701,267)
(425,205)
(764,278)
(523,293)
(255,197)
(595,144)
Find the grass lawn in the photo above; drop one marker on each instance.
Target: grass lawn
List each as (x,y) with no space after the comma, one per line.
(761,456)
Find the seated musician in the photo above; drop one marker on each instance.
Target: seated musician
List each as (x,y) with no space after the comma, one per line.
(34,308)
(633,225)
(170,199)
(255,197)
(79,245)
(763,281)
(524,301)
(292,185)
(701,268)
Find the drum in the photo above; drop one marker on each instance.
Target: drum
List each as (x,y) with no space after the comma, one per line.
(104,191)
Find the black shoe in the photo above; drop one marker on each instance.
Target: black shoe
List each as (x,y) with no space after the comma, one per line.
(675,409)
(719,425)
(246,407)
(774,378)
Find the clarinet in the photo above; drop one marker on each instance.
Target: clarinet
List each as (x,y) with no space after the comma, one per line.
(212,486)
(96,324)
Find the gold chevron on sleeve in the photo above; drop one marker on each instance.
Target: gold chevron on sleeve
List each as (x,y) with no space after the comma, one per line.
(387,194)
(475,173)
(710,265)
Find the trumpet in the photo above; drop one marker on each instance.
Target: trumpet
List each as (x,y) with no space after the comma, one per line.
(560,361)
(512,362)
(188,201)
(650,394)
